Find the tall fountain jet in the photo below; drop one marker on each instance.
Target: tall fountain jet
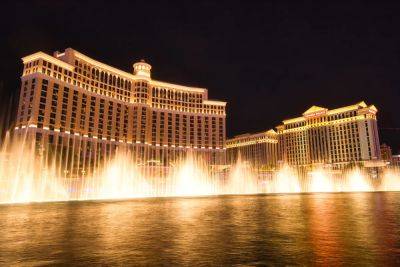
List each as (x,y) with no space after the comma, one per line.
(29,176)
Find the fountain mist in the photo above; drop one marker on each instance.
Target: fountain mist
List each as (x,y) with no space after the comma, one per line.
(29,174)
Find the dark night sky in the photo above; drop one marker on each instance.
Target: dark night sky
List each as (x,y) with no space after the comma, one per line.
(269,60)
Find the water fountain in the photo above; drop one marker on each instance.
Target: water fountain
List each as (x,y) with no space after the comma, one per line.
(29,176)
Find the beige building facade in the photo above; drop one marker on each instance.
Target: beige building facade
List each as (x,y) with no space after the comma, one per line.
(259,149)
(73,101)
(335,137)
(386,153)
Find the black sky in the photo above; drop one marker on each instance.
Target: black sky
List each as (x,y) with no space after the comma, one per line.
(269,60)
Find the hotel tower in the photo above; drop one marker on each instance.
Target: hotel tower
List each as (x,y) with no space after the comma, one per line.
(336,137)
(259,149)
(72,101)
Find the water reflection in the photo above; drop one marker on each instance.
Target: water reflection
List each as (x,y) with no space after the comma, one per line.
(322,229)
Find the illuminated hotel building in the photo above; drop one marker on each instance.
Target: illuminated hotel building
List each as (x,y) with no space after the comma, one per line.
(386,153)
(321,136)
(71,100)
(260,149)
(338,136)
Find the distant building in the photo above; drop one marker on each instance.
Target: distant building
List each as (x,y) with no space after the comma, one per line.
(336,137)
(396,160)
(75,102)
(260,149)
(386,153)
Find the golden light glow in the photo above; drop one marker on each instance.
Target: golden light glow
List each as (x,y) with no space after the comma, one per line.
(321,182)
(41,55)
(172,86)
(99,64)
(357,182)
(316,111)
(286,182)
(26,176)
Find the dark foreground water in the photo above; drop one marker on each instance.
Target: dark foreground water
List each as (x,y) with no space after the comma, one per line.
(322,229)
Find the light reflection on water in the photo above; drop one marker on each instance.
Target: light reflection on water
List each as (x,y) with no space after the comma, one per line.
(361,228)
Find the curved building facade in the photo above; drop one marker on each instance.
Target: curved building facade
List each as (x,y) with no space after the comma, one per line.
(72,101)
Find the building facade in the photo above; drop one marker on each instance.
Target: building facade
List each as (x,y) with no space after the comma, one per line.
(260,149)
(72,101)
(336,137)
(396,160)
(386,153)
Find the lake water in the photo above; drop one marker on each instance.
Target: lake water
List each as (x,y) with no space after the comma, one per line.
(302,229)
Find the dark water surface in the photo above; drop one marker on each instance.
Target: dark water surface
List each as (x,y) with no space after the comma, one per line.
(322,229)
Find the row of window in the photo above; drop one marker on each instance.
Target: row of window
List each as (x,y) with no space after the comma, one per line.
(110,85)
(328,118)
(110,120)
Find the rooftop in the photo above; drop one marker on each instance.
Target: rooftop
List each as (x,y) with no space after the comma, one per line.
(63,60)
